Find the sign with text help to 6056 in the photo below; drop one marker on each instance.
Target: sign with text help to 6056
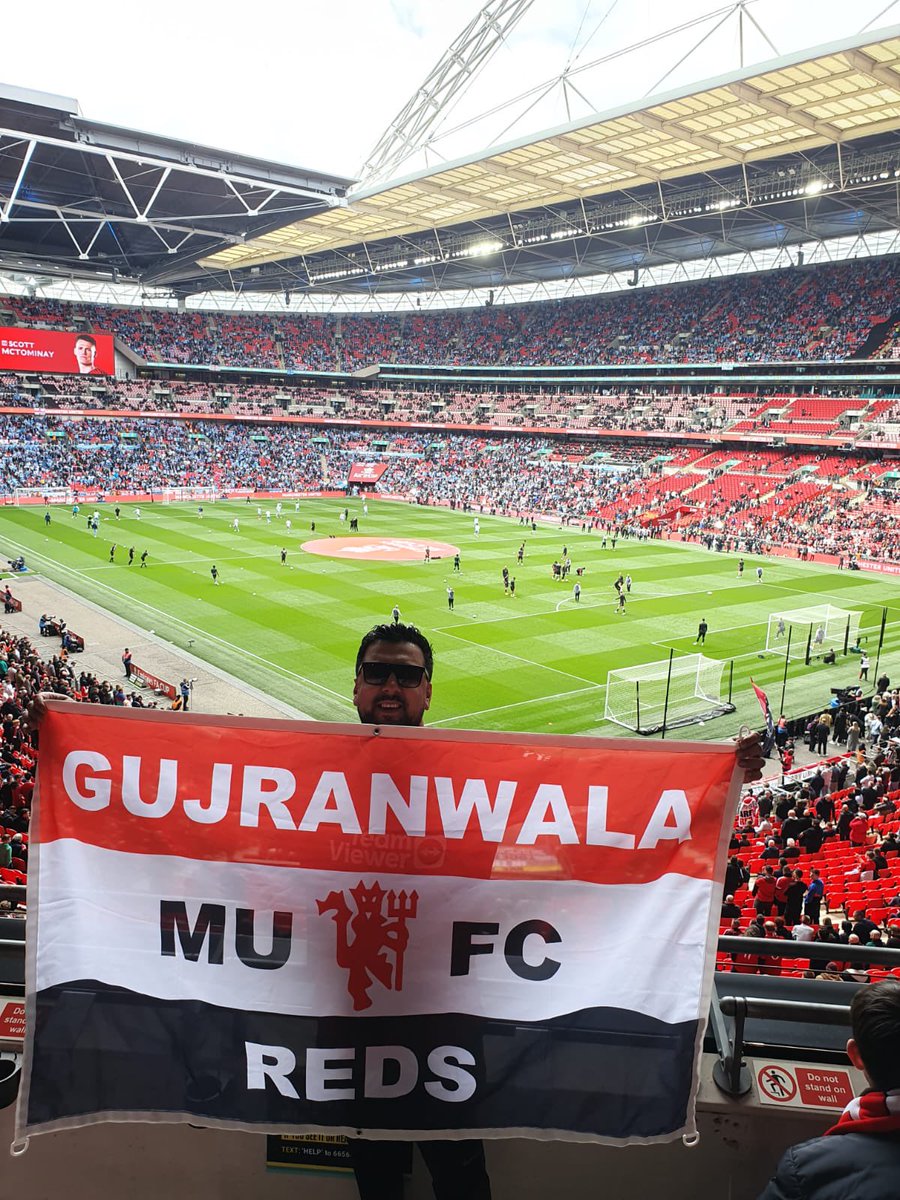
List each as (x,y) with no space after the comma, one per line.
(296,927)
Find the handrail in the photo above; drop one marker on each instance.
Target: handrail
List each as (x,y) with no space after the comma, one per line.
(787,948)
(730,1073)
(760,1007)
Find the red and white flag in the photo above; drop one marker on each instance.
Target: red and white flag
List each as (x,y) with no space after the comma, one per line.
(287,927)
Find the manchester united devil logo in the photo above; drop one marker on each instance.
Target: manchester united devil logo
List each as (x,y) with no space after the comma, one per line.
(372,941)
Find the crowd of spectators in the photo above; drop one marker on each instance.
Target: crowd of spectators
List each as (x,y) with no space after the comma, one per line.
(823,313)
(842,505)
(23,673)
(648,410)
(817,861)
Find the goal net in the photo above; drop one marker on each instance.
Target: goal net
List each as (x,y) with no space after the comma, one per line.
(200,495)
(44,495)
(698,688)
(808,632)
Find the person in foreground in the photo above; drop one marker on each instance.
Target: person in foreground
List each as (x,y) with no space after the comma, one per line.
(394,666)
(393,686)
(860,1155)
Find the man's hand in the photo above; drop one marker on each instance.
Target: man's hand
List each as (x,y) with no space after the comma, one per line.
(37,707)
(750,757)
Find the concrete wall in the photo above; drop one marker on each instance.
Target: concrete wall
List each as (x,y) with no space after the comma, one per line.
(739,1146)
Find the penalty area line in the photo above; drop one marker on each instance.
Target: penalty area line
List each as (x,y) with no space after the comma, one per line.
(594,687)
(518,658)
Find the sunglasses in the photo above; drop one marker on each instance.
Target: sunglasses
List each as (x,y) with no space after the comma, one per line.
(378,673)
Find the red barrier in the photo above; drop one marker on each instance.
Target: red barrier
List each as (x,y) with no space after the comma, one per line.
(153,682)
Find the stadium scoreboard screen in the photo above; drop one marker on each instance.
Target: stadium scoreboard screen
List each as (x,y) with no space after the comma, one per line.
(23,349)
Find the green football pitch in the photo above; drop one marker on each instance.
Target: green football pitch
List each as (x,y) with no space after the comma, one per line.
(533,662)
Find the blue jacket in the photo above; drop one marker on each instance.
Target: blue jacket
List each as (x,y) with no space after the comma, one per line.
(849,1166)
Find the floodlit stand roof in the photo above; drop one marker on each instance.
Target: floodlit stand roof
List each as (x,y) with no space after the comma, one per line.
(848,90)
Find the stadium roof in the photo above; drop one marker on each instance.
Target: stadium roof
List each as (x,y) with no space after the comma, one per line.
(796,104)
(801,149)
(81,196)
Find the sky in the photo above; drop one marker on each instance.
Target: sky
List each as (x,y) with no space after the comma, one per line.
(315,85)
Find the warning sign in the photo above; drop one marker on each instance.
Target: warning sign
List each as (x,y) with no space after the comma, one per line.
(804,1087)
(776,1085)
(12,1018)
(827,1088)
(308,1152)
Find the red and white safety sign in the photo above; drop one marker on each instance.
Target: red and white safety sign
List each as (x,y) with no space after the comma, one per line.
(12,1018)
(803,1087)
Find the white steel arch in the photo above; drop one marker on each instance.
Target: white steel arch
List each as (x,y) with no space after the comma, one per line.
(444,85)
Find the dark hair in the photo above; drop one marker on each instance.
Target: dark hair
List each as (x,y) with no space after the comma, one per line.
(875,1019)
(86,337)
(397,634)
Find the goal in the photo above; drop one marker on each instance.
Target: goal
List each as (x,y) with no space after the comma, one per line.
(44,495)
(807,632)
(202,495)
(699,688)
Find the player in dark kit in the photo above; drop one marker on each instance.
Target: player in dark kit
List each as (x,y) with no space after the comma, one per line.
(702,630)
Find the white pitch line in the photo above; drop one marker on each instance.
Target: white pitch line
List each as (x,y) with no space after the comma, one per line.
(520,703)
(546,612)
(197,630)
(197,559)
(730,658)
(519,658)
(846,601)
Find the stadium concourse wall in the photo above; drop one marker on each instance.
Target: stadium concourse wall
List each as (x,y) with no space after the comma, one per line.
(739,1145)
(103,496)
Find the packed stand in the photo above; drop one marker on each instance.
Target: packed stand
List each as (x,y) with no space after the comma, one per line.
(820,504)
(817,862)
(823,313)
(647,410)
(24,673)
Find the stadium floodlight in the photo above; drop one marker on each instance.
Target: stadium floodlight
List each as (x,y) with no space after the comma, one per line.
(807,632)
(672,693)
(477,249)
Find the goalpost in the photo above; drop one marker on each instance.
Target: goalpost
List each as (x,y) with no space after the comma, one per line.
(669,694)
(806,632)
(44,495)
(202,495)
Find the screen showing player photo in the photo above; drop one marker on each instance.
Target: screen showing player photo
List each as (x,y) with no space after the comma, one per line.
(23,349)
